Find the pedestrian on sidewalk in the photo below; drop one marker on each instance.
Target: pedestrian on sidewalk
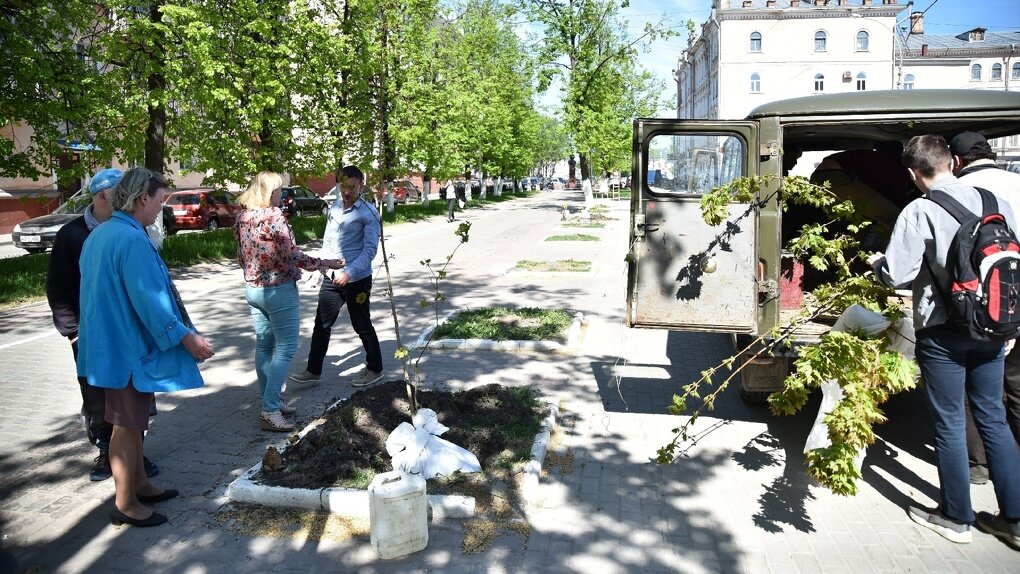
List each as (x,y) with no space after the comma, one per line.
(956,367)
(272,265)
(63,282)
(352,234)
(974,164)
(450,195)
(135,336)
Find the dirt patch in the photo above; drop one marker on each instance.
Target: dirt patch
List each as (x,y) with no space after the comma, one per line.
(347,447)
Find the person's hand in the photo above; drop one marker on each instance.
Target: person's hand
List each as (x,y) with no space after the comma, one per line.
(875,258)
(1009,345)
(341,279)
(335,263)
(196,344)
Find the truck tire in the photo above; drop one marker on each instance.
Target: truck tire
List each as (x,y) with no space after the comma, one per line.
(758,381)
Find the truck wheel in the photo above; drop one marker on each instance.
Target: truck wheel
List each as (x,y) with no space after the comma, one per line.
(213,224)
(758,381)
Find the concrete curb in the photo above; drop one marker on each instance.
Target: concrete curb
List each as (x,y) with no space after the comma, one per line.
(573,340)
(354,502)
(533,469)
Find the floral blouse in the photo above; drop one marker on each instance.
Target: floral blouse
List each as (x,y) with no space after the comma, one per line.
(266,249)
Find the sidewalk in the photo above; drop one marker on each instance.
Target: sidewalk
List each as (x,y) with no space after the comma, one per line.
(737,501)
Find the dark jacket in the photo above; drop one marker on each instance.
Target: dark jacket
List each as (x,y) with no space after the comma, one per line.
(63,280)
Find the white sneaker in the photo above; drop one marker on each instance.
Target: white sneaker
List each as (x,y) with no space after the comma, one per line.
(365,377)
(274,421)
(305,378)
(934,521)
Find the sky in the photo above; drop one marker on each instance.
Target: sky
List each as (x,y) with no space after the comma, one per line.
(941,17)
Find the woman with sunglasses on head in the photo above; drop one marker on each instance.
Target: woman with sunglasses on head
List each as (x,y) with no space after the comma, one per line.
(272,265)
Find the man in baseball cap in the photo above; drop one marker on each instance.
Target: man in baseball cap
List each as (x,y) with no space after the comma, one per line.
(63,282)
(105,179)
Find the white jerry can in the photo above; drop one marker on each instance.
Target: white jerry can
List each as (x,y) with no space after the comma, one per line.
(398,511)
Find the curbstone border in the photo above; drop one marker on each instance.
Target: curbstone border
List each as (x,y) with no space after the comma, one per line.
(354,502)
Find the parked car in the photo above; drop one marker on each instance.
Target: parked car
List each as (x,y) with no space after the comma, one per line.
(37,234)
(404,190)
(206,209)
(555,183)
(297,200)
(476,188)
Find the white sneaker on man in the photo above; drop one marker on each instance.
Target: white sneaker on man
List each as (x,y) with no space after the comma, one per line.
(366,377)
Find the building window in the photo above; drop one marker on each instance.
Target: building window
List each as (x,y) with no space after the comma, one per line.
(861,81)
(755,42)
(862,41)
(1016,70)
(819,83)
(819,41)
(975,73)
(996,72)
(755,83)
(908,82)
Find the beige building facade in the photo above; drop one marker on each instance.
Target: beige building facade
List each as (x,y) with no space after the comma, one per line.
(751,52)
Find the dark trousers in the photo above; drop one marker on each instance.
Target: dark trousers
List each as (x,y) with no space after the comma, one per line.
(957,369)
(975,449)
(450,203)
(356,295)
(93,410)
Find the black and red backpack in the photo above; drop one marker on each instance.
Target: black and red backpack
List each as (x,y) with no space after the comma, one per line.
(984,270)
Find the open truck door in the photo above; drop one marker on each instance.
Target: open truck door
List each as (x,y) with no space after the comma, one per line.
(684,273)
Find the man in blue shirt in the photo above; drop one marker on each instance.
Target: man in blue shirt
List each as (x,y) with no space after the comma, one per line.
(352,235)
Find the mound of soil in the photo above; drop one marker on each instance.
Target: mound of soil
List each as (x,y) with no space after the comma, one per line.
(496,423)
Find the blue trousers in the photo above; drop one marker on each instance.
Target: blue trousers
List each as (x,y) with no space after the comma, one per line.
(274,310)
(954,367)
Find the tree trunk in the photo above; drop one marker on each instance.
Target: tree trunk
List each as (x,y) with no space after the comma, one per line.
(585,167)
(155,132)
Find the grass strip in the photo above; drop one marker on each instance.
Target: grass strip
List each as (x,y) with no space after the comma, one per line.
(585,224)
(573,237)
(501,323)
(573,265)
(23,279)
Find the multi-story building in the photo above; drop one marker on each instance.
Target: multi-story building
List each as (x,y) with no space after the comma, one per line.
(751,52)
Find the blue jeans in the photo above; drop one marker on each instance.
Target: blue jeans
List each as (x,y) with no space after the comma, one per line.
(955,366)
(274,310)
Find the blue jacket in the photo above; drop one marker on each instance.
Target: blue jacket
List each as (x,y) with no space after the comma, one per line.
(130,326)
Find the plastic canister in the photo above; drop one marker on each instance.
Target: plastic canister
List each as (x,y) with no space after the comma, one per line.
(398,511)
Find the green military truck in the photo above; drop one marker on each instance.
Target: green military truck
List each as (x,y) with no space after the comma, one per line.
(686,275)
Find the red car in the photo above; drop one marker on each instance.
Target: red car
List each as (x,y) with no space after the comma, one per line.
(403,191)
(203,208)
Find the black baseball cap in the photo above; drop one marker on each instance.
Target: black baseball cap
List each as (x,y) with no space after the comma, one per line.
(969,142)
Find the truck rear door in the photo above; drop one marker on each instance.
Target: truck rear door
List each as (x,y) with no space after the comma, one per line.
(683,273)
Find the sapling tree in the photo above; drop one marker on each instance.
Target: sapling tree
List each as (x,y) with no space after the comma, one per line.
(436,274)
(863,366)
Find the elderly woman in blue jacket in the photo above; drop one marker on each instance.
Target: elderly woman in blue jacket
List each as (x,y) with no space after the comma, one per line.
(134,337)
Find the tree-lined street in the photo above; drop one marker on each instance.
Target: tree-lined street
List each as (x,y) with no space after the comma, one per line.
(737,501)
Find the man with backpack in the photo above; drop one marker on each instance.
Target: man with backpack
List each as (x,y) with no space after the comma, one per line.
(974,164)
(960,332)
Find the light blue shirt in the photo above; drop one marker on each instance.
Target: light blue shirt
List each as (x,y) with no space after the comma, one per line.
(352,233)
(130,326)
